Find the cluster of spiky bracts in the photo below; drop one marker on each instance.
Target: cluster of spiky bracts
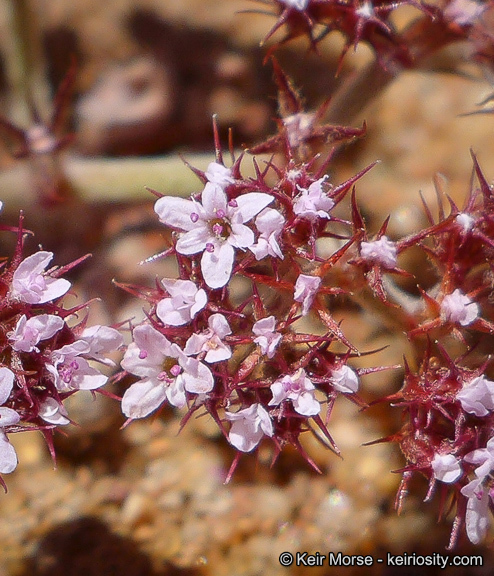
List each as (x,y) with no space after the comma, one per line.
(373,22)
(47,352)
(280,240)
(448,402)
(246,361)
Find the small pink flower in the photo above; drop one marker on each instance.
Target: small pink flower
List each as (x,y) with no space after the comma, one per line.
(298,126)
(299,389)
(456,307)
(477,396)
(8,417)
(249,426)
(101,340)
(28,333)
(70,371)
(313,202)
(270,225)
(166,373)
(53,412)
(344,380)
(216,228)
(220,175)
(484,458)
(30,284)
(446,468)
(211,340)
(267,338)
(306,288)
(381,251)
(477,514)
(185,301)
(465,221)
(297,4)
(464,12)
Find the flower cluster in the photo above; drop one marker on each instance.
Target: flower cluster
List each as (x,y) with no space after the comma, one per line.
(449,402)
(46,353)
(248,364)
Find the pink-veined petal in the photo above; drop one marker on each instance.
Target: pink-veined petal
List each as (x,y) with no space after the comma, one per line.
(6,383)
(251,204)
(195,240)
(213,199)
(142,398)
(8,457)
(217,266)
(176,212)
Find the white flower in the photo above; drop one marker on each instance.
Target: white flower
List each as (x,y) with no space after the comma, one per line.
(344,379)
(210,341)
(220,175)
(166,373)
(185,302)
(313,202)
(215,228)
(464,12)
(53,412)
(299,389)
(31,285)
(477,514)
(477,397)
(297,4)
(484,457)
(306,288)
(249,426)
(70,371)
(465,221)
(446,468)
(298,126)
(267,338)
(456,307)
(270,225)
(8,417)
(101,340)
(381,251)
(28,333)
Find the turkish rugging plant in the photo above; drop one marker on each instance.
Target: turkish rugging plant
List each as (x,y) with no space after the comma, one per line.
(226,337)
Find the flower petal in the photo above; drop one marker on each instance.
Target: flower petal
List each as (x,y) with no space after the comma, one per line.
(176,212)
(251,204)
(142,398)
(217,266)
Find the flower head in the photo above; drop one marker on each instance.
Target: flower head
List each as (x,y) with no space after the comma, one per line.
(249,426)
(29,332)
(306,288)
(270,225)
(216,228)
(166,373)
(218,174)
(477,396)
(313,202)
(456,307)
(8,417)
(344,380)
(381,251)
(446,468)
(30,284)
(299,389)
(185,301)
(267,338)
(211,340)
